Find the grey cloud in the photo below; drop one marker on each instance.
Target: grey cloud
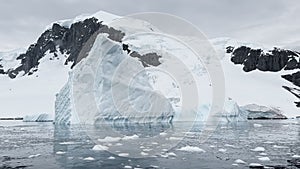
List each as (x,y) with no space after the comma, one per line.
(23,21)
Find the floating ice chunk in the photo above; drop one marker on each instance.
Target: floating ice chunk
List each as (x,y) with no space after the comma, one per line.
(269,142)
(191,149)
(263,154)
(162,134)
(147,149)
(67,143)
(133,137)
(171,154)
(127,166)
(257,125)
(60,152)
(296,156)
(264,158)
(154,166)
(223,150)
(123,154)
(276,146)
(253,165)
(229,145)
(110,139)
(258,149)
(239,161)
(144,154)
(100,148)
(89,159)
(175,138)
(111,158)
(234,164)
(34,156)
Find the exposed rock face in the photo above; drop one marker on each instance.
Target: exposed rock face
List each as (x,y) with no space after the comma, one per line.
(70,42)
(274,60)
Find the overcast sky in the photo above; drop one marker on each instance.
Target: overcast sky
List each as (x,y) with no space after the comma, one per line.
(272,22)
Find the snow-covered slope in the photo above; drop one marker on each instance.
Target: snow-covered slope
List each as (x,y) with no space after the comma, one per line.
(255,87)
(33,94)
(103,16)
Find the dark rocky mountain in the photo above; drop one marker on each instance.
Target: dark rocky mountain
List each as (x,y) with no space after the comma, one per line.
(70,42)
(274,60)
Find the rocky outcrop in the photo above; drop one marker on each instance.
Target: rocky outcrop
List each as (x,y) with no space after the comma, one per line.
(70,42)
(273,60)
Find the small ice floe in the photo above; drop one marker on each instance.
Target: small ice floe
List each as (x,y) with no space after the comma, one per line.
(257,125)
(255,165)
(119,144)
(147,149)
(127,167)
(276,146)
(269,142)
(212,146)
(34,156)
(89,159)
(123,154)
(22,129)
(296,156)
(264,158)
(175,138)
(239,161)
(162,134)
(154,166)
(229,145)
(263,154)
(191,149)
(100,148)
(258,149)
(223,150)
(109,139)
(144,153)
(60,153)
(170,154)
(133,137)
(70,158)
(67,143)
(154,143)
(235,164)
(111,158)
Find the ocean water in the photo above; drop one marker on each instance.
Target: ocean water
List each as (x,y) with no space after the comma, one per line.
(180,145)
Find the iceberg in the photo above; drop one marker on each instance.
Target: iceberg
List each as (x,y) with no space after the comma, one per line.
(38,118)
(232,112)
(263,112)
